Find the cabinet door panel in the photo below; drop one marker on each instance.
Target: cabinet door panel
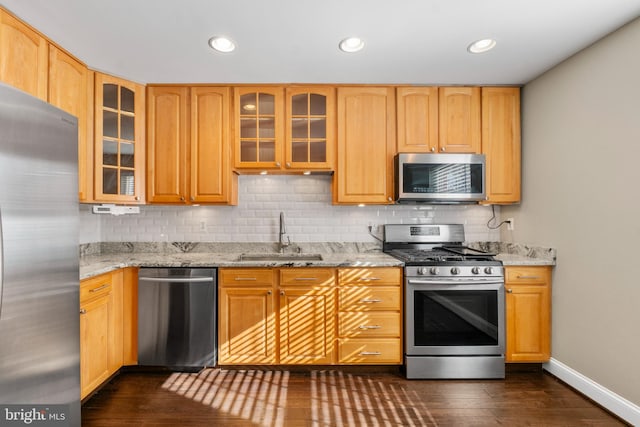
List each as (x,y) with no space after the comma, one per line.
(211,178)
(246,326)
(366,145)
(307,325)
(94,338)
(23,57)
(501,143)
(167,157)
(417,109)
(459,118)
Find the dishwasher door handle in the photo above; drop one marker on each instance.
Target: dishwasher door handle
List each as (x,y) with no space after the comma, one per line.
(176,279)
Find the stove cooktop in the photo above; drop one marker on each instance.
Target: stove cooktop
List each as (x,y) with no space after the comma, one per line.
(450,255)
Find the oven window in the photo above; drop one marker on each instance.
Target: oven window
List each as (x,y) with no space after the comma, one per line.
(454,318)
(437,178)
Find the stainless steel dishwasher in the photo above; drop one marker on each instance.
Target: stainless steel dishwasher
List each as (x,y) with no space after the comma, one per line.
(177,317)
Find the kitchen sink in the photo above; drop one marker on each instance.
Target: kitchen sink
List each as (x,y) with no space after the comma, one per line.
(280,257)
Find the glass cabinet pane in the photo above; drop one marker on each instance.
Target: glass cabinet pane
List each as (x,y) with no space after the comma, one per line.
(127,100)
(127,155)
(318,128)
(110,124)
(266,128)
(109,153)
(249,104)
(267,151)
(127,183)
(248,127)
(110,96)
(299,105)
(109,181)
(318,105)
(299,127)
(318,151)
(249,151)
(299,151)
(267,104)
(127,130)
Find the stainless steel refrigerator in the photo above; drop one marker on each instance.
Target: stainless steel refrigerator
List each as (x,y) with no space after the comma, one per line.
(39,283)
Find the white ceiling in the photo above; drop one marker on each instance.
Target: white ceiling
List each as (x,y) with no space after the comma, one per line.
(295,41)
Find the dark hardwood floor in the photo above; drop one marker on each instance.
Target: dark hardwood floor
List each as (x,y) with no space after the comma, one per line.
(333,397)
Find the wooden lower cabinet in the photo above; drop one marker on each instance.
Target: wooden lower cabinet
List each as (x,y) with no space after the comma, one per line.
(107,328)
(313,320)
(528,306)
(369,316)
(246,316)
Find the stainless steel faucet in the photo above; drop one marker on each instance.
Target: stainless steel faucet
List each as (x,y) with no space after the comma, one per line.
(282,234)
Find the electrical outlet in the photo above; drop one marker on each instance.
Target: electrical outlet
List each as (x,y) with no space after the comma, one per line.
(203,226)
(511,225)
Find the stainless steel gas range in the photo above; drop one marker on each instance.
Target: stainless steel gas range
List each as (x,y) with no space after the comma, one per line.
(454,303)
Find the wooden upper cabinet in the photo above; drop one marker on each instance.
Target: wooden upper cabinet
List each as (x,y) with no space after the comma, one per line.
(417,109)
(310,128)
(365,145)
(212,180)
(167,144)
(501,143)
(459,119)
(259,131)
(119,140)
(68,87)
(23,56)
(188,151)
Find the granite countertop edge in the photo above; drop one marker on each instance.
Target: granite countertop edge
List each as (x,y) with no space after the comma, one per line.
(92,265)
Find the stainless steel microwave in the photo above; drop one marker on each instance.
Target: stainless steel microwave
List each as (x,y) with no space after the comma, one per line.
(440,178)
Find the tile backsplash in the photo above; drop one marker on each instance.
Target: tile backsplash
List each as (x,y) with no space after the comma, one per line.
(306,203)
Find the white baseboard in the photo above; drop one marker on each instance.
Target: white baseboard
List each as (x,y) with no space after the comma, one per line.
(620,406)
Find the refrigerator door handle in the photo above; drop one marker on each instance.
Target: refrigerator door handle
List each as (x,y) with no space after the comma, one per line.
(1,262)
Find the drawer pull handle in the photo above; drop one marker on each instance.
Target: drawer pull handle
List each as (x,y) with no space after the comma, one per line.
(83,311)
(528,277)
(370,353)
(245,279)
(99,288)
(306,278)
(370,300)
(369,279)
(369,326)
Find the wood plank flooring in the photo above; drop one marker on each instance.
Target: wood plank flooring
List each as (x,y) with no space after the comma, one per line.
(334,397)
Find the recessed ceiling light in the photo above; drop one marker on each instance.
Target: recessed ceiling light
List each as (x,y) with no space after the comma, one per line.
(481,46)
(351,44)
(222,44)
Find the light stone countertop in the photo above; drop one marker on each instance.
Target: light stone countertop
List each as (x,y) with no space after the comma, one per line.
(102,258)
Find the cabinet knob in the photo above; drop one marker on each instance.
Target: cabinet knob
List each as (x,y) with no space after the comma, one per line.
(509,291)
(288,164)
(282,293)
(181,199)
(277,164)
(193,199)
(269,292)
(83,311)
(137,198)
(390,199)
(433,149)
(442,149)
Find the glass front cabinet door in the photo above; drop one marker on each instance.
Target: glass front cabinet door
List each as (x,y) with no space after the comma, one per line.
(119,147)
(310,127)
(289,130)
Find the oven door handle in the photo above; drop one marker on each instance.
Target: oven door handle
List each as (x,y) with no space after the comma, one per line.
(453,282)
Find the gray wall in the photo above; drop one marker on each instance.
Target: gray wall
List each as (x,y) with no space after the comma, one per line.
(581,195)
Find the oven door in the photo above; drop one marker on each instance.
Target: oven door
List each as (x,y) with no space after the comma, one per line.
(449,318)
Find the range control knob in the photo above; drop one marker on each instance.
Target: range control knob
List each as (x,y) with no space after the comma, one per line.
(475,270)
(423,270)
(488,270)
(434,271)
(455,270)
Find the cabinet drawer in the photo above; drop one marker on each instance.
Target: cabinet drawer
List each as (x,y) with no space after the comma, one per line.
(307,277)
(527,274)
(95,287)
(370,324)
(370,276)
(366,298)
(246,276)
(370,351)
